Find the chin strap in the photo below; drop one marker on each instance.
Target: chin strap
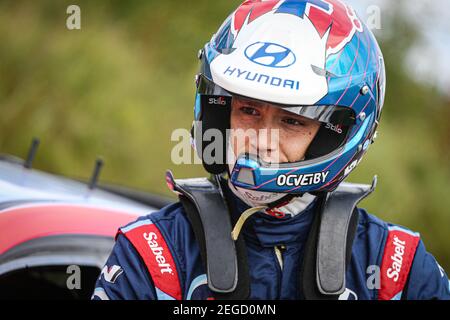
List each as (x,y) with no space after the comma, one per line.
(290,207)
(244,216)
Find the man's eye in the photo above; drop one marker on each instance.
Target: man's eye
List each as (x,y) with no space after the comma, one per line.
(249,111)
(293,122)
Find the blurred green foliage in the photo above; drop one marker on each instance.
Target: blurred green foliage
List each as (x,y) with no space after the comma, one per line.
(119,87)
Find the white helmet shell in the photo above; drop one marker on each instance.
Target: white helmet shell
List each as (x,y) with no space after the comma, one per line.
(276,66)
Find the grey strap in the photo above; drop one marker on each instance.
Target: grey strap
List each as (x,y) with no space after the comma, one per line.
(332,240)
(221,261)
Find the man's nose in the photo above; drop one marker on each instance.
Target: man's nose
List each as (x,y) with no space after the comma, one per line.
(268,139)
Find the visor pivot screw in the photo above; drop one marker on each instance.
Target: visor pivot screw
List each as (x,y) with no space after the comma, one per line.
(362,116)
(375,136)
(200,54)
(365,90)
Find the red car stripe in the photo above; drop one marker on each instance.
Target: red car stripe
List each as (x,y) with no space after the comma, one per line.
(25,223)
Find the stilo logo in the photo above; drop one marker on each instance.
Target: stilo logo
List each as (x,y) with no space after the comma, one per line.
(270,55)
(217,101)
(336,128)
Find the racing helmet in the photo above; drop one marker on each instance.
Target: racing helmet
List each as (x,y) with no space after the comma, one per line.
(314,58)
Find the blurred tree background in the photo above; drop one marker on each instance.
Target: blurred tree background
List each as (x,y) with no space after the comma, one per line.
(119,87)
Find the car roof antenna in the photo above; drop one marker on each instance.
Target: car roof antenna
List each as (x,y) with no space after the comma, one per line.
(96,173)
(31,153)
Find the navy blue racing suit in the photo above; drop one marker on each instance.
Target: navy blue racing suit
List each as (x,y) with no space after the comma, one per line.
(157,258)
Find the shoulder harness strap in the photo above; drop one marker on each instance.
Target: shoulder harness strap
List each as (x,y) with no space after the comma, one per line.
(225,261)
(329,245)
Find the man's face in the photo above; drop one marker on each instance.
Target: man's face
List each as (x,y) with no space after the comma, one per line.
(286,137)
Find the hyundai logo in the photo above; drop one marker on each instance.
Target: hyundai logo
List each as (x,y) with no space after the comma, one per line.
(270,55)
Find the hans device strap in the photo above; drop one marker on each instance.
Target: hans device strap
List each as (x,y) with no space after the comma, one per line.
(225,261)
(328,248)
(329,245)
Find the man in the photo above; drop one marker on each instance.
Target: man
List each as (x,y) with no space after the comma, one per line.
(307,77)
